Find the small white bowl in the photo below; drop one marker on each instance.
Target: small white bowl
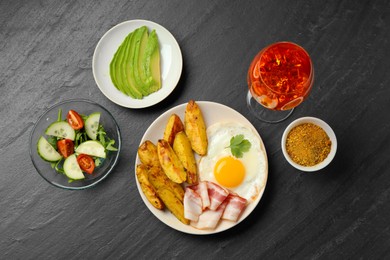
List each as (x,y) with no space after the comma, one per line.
(328,131)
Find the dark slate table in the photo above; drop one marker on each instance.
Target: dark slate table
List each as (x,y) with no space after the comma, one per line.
(342,211)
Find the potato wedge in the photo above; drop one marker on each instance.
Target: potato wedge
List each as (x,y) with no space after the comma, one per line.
(159,179)
(173,204)
(147,153)
(147,187)
(195,128)
(183,150)
(173,126)
(170,163)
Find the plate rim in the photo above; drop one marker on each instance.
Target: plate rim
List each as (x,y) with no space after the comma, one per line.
(198,231)
(178,64)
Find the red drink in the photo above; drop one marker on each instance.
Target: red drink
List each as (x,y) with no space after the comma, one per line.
(280,76)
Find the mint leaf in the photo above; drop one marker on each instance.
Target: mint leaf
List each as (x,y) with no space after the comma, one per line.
(239,146)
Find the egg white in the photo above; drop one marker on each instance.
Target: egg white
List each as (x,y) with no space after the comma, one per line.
(254,160)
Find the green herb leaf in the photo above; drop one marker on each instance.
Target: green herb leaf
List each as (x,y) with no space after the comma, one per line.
(81,137)
(84,117)
(105,140)
(239,146)
(52,140)
(98,161)
(56,165)
(101,135)
(110,146)
(59,116)
(77,141)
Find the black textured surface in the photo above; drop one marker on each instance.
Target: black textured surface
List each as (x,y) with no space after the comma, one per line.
(343,211)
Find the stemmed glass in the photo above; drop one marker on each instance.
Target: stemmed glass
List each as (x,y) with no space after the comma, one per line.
(280,78)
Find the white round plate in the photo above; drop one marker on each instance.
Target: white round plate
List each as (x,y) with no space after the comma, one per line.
(212,113)
(171,62)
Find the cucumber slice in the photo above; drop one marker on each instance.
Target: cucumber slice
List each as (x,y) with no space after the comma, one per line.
(91,125)
(92,148)
(47,151)
(61,129)
(72,168)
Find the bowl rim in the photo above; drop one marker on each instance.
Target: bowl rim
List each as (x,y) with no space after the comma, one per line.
(31,150)
(329,131)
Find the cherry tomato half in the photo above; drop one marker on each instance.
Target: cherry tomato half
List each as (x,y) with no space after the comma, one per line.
(65,147)
(75,120)
(86,163)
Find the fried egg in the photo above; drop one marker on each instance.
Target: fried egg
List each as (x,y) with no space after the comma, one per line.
(245,176)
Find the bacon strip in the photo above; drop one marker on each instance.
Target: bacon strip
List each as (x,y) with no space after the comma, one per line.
(206,203)
(202,190)
(235,206)
(217,195)
(209,219)
(192,204)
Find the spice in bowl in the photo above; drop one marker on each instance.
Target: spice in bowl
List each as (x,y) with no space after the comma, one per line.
(308,144)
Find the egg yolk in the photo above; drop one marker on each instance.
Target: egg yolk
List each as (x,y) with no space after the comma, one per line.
(229,172)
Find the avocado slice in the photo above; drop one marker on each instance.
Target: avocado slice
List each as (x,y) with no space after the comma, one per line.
(128,84)
(112,69)
(119,65)
(138,34)
(142,48)
(113,63)
(139,76)
(151,63)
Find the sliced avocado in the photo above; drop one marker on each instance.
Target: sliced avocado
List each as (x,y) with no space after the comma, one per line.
(138,34)
(142,48)
(128,83)
(151,62)
(113,66)
(155,65)
(112,70)
(135,67)
(142,33)
(118,66)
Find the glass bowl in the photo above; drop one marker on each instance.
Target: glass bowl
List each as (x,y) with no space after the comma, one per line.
(45,168)
(329,131)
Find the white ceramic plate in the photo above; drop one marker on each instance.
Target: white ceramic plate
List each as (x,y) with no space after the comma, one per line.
(212,113)
(171,63)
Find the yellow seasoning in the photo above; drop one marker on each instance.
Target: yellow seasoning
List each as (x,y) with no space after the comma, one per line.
(308,144)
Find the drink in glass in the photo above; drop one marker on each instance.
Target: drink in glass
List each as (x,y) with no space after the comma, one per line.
(280,77)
